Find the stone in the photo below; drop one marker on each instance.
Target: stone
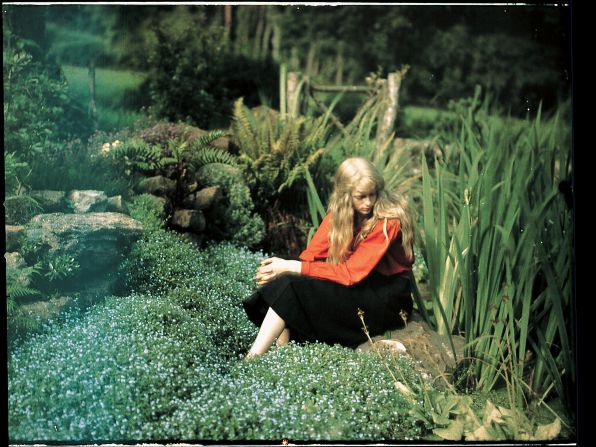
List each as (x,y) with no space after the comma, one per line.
(15,261)
(157,185)
(115,204)
(98,243)
(51,201)
(432,351)
(85,201)
(193,220)
(13,236)
(205,198)
(222,143)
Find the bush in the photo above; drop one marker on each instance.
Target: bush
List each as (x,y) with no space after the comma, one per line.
(231,219)
(162,363)
(195,80)
(38,113)
(143,368)
(148,210)
(81,164)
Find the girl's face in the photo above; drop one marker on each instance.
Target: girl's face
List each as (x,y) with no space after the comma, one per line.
(364,197)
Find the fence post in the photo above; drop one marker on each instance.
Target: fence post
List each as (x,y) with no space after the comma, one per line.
(389,112)
(294,87)
(92,106)
(283,101)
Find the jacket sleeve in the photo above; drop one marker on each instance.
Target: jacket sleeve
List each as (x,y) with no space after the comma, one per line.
(362,261)
(318,248)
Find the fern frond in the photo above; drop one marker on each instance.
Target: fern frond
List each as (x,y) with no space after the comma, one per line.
(243,131)
(18,291)
(137,154)
(299,171)
(289,140)
(209,155)
(208,138)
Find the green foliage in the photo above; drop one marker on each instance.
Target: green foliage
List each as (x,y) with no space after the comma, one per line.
(495,227)
(162,363)
(276,153)
(19,289)
(60,267)
(193,79)
(148,210)
(82,164)
(134,155)
(38,113)
(19,209)
(233,218)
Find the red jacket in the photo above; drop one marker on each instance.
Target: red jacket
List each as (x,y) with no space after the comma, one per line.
(373,253)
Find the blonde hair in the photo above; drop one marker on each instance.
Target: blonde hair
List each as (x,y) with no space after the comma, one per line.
(352,173)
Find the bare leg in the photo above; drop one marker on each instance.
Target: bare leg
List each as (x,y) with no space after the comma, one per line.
(283,338)
(272,327)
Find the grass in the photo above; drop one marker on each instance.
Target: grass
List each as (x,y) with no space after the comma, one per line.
(117,95)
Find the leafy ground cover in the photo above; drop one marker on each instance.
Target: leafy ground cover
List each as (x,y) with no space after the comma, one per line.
(163,363)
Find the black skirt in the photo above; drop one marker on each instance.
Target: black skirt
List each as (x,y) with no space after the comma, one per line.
(325,311)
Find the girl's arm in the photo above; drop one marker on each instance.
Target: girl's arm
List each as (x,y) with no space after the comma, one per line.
(364,259)
(318,248)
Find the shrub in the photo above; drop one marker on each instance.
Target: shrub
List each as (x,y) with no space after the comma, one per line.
(195,80)
(162,363)
(148,210)
(233,218)
(82,164)
(38,113)
(143,368)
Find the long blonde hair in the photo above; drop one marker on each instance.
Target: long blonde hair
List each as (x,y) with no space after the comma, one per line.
(354,172)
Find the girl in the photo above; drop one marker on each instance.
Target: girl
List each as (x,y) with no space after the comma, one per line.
(361,257)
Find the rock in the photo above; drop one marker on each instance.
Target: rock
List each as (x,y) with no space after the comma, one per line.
(423,345)
(44,310)
(222,143)
(86,201)
(115,204)
(13,237)
(158,185)
(193,220)
(15,261)
(97,242)
(51,201)
(192,187)
(204,198)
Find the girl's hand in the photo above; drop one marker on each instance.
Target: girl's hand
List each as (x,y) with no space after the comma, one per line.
(270,268)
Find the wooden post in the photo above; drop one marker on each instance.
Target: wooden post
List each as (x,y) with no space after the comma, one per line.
(339,64)
(283,102)
(389,111)
(294,87)
(227,24)
(92,106)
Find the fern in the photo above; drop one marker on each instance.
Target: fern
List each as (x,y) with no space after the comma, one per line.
(243,130)
(208,138)
(208,155)
(136,154)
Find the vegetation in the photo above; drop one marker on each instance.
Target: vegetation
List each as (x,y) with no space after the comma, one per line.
(161,361)
(494,229)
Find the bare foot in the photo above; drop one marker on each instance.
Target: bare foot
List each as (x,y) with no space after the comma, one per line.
(250,356)
(394,345)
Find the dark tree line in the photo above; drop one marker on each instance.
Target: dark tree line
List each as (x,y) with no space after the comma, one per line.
(521,54)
